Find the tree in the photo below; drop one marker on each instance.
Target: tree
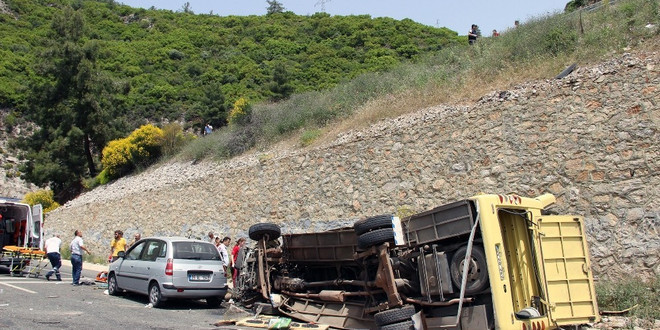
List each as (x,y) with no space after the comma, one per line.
(186,8)
(274,6)
(280,87)
(70,104)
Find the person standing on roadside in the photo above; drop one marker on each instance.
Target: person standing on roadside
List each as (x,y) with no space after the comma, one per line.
(136,238)
(52,247)
(117,244)
(77,248)
(223,253)
(211,237)
(234,252)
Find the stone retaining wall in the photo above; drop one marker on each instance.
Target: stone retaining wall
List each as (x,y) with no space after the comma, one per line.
(591,139)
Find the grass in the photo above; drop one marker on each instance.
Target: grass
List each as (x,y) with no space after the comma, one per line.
(628,293)
(538,49)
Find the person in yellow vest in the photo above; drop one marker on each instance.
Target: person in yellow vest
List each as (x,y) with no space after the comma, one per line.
(117,244)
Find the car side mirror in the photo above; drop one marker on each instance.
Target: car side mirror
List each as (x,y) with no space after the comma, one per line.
(121,254)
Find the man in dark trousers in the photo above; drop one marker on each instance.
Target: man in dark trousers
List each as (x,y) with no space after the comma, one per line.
(52,247)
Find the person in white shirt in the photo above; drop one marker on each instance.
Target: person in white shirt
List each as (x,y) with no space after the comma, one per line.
(222,248)
(77,249)
(52,247)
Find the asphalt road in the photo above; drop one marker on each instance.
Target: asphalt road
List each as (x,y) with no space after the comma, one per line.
(34,303)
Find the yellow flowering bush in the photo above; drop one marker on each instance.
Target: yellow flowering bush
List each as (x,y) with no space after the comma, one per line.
(139,148)
(147,140)
(117,157)
(43,197)
(240,112)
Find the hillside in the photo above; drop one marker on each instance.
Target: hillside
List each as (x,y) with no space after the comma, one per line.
(590,139)
(168,65)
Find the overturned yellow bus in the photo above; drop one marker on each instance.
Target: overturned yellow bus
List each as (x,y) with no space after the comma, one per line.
(487,262)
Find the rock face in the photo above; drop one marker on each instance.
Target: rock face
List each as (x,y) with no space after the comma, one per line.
(11,184)
(591,139)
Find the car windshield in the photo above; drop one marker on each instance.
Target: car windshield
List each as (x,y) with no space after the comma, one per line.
(195,251)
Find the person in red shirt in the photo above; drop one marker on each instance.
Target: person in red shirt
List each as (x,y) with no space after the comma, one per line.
(234,254)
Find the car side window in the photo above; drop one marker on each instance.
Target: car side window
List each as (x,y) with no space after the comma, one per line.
(153,250)
(163,250)
(134,253)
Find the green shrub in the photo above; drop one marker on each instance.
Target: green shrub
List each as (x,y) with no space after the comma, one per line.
(309,136)
(43,197)
(174,138)
(10,122)
(630,292)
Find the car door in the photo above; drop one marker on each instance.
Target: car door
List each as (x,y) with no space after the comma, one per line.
(127,272)
(152,264)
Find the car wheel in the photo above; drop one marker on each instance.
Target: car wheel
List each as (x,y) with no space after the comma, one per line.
(407,325)
(213,302)
(376,222)
(113,289)
(155,297)
(261,230)
(394,315)
(477,277)
(375,237)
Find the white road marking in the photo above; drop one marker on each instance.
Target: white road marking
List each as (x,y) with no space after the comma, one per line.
(30,282)
(18,288)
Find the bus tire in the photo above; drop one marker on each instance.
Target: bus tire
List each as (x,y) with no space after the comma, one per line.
(394,315)
(261,230)
(375,237)
(477,279)
(372,223)
(407,325)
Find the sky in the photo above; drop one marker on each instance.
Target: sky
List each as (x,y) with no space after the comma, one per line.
(455,15)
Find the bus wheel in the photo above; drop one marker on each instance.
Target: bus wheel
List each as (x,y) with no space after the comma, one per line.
(372,223)
(260,230)
(375,237)
(394,315)
(477,277)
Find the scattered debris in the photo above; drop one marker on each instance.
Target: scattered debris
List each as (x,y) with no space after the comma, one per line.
(619,312)
(566,71)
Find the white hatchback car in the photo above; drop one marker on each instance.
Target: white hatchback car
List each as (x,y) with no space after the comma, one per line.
(170,268)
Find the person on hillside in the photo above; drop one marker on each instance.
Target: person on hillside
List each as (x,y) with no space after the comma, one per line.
(52,247)
(208,129)
(116,245)
(77,247)
(473,34)
(495,33)
(234,252)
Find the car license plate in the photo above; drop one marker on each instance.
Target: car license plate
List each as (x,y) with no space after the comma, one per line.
(199,277)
